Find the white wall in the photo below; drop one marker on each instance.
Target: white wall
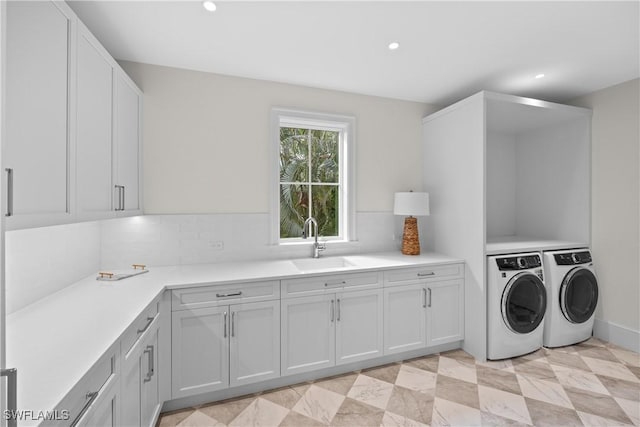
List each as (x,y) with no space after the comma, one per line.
(616,202)
(206,140)
(501,185)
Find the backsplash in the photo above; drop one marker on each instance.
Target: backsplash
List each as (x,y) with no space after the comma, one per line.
(41,261)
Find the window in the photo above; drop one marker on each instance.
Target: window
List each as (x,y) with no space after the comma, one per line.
(314,174)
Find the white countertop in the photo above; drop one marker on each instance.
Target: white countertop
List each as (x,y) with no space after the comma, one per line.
(56,340)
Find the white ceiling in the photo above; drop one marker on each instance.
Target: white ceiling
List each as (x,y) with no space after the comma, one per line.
(448,49)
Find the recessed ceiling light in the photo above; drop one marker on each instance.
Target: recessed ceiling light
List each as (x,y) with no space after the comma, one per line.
(394,45)
(209,5)
(539,76)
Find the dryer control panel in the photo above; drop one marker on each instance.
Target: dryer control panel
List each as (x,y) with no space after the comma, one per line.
(519,262)
(572,258)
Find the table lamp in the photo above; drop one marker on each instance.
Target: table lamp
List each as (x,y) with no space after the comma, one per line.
(412,204)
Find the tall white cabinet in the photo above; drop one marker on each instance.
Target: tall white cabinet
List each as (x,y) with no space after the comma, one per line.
(72,150)
(504,174)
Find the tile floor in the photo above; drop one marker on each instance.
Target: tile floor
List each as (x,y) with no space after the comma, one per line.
(590,384)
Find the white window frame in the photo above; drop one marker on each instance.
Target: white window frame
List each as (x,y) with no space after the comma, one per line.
(346,125)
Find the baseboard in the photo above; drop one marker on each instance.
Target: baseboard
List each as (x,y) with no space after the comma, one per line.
(616,334)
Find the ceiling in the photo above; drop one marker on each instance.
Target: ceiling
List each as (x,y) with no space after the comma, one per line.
(448,49)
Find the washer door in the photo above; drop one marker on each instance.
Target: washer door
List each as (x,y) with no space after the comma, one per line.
(579,295)
(524,302)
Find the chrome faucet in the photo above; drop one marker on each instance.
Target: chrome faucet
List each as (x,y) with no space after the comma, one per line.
(306,231)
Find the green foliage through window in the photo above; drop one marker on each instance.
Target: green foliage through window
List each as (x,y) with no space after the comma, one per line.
(309,180)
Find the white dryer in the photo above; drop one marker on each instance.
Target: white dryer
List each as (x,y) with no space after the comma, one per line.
(517,302)
(572,291)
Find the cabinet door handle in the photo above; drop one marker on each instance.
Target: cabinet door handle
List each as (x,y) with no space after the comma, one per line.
(341,283)
(233,323)
(151,370)
(338,316)
(430,273)
(224,327)
(424,298)
(120,206)
(123,198)
(12,394)
(235,294)
(332,311)
(429,303)
(91,396)
(143,330)
(9,192)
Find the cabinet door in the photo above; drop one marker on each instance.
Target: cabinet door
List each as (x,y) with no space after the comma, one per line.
(149,397)
(359,325)
(131,383)
(254,346)
(37,101)
(308,333)
(199,351)
(445,311)
(404,318)
(94,127)
(127,145)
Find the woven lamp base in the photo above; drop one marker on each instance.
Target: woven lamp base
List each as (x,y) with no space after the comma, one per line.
(410,239)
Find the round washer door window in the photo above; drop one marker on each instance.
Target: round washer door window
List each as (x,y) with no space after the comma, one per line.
(524,302)
(579,295)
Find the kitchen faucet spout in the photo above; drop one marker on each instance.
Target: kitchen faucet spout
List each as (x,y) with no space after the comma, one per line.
(307,230)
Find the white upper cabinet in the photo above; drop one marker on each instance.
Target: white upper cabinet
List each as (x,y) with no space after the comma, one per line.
(127,145)
(37,147)
(73,123)
(94,127)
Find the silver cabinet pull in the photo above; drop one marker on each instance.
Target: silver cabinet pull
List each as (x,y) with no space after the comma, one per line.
(151,370)
(9,192)
(123,198)
(332,311)
(120,206)
(424,298)
(143,330)
(91,396)
(341,283)
(235,294)
(12,395)
(338,316)
(430,273)
(224,327)
(233,323)
(429,303)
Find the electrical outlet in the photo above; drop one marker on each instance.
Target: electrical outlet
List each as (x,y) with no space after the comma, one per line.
(216,245)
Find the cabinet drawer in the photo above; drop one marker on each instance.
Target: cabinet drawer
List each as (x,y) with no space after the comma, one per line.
(417,274)
(139,326)
(90,388)
(330,283)
(211,296)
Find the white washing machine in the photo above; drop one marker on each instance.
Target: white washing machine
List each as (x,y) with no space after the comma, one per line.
(572,293)
(517,302)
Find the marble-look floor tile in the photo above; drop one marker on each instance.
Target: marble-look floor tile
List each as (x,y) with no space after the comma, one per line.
(172,419)
(446,413)
(597,404)
(371,391)
(610,369)
(394,420)
(566,359)
(416,379)
(340,384)
(294,419)
(286,397)
(544,391)
(540,353)
(493,420)
(456,369)
(621,388)
(459,355)
(602,353)
(454,390)
(544,414)
(261,412)
(592,420)
(626,356)
(415,405)
(631,408)
(354,413)
(199,419)
(226,410)
(499,379)
(319,404)
(503,365)
(579,379)
(504,404)
(426,363)
(535,369)
(387,373)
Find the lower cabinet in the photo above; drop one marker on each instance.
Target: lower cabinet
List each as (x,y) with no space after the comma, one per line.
(140,392)
(105,412)
(423,314)
(332,329)
(230,345)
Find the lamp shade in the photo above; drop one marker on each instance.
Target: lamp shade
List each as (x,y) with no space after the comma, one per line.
(411,203)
